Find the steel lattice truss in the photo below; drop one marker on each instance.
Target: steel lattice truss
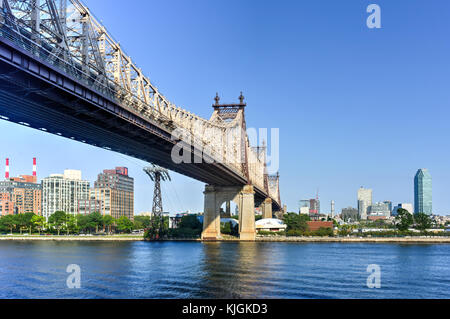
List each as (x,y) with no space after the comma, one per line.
(74,40)
(157,174)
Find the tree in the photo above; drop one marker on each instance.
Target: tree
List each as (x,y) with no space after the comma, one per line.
(57,220)
(82,222)
(38,222)
(422,221)
(124,224)
(137,224)
(28,217)
(296,222)
(108,221)
(96,220)
(160,228)
(225,228)
(23,221)
(71,224)
(403,220)
(142,220)
(190,221)
(9,221)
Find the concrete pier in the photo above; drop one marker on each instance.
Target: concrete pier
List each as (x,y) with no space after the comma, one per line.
(247,230)
(243,197)
(211,215)
(266,207)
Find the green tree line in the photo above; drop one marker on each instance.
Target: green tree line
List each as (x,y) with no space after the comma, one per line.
(62,223)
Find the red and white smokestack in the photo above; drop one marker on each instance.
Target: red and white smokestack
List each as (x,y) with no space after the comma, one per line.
(34,166)
(7,169)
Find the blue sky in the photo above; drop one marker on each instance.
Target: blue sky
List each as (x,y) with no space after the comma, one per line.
(355,106)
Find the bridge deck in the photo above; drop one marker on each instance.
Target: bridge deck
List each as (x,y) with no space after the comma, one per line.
(36,93)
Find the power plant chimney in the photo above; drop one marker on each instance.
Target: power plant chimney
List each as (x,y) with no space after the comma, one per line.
(7,169)
(34,166)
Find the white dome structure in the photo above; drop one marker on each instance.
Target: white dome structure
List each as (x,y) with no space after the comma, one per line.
(270,224)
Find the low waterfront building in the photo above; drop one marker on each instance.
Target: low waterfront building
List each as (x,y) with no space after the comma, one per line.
(374,218)
(146,214)
(316,225)
(270,224)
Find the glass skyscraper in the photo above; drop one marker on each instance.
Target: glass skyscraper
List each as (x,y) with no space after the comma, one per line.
(422,192)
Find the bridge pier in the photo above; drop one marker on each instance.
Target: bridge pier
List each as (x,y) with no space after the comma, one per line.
(247,229)
(215,196)
(211,215)
(266,207)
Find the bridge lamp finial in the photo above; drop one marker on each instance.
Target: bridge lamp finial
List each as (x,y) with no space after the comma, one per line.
(241,98)
(217,98)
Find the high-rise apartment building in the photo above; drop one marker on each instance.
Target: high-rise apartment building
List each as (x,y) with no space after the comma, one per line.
(310,206)
(61,192)
(115,189)
(89,206)
(21,194)
(6,204)
(364,202)
(25,197)
(423,192)
(314,206)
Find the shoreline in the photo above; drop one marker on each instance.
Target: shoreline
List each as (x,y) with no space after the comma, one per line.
(277,239)
(71,238)
(408,239)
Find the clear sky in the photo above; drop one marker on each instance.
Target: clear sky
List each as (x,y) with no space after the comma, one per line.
(355,106)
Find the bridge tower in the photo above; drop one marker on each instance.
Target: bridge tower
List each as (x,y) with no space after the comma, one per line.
(157,174)
(242,196)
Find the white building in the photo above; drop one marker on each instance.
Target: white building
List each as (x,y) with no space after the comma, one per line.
(304,210)
(380,209)
(364,202)
(407,206)
(270,224)
(62,192)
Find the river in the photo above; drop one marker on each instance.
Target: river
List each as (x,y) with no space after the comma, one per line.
(37,269)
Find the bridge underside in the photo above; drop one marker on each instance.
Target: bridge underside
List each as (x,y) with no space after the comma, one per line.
(37,95)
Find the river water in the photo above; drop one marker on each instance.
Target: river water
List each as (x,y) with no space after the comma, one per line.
(37,269)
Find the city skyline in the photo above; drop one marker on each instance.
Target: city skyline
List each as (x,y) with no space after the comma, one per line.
(12,173)
(350,115)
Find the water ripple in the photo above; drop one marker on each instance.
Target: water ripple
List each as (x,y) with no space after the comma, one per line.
(223,270)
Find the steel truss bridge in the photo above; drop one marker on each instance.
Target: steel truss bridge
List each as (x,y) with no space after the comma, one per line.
(62,72)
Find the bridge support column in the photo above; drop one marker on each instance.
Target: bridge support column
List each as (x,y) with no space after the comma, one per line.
(211,215)
(267,208)
(247,229)
(215,196)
